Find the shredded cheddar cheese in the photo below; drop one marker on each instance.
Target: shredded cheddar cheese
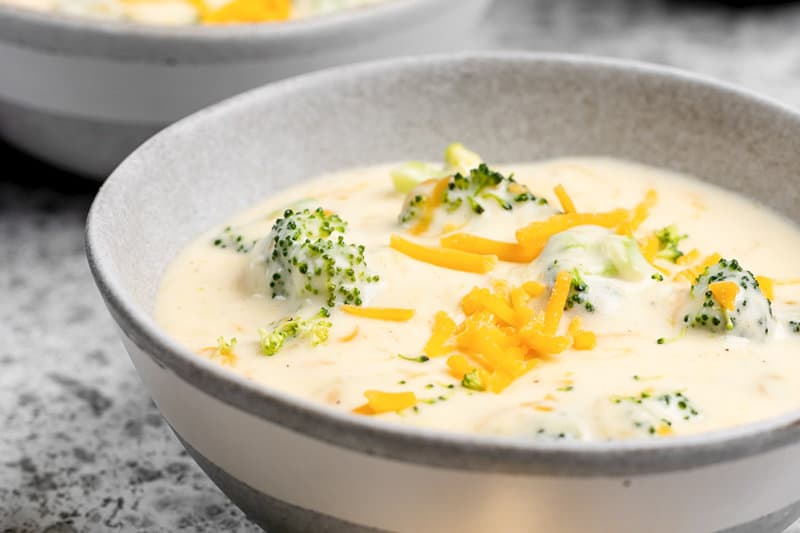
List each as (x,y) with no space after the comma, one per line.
(639,213)
(443,328)
(502,337)
(444,257)
(690,274)
(664,430)
(564,199)
(624,221)
(390,314)
(350,336)
(534,288)
(724,292)
(555,306)
(434,200)
(505,251)
(767,286)
(581,339)
(648,246)
(238,11)
(385,402)
(688,258)
(537,233)
(458,365)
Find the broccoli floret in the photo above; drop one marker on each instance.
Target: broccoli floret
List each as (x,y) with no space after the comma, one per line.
(668,241)
(592,254)
(472,380)
(649,413)
(307,257)
(468,194)
(315,328)
(751,312)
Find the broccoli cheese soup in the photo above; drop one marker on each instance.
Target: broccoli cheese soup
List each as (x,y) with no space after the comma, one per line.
(191,12)
(580,298)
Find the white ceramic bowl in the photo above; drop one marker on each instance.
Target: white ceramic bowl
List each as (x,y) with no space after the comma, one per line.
(294,464)
(82,93)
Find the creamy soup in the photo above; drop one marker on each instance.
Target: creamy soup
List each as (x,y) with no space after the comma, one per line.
(190,12)
(583,298)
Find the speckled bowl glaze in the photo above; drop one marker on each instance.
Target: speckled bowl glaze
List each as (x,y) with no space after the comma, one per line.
(295,465)
(82,93)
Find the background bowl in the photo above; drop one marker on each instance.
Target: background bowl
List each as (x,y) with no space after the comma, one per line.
(293,464)
(82,94)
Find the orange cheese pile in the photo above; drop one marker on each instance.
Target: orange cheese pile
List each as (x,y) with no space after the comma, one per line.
(502,337)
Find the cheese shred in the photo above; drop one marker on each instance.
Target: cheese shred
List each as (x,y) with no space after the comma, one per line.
(564,199)
(724,292)
(505,251)
(445,257)
(391,314)
(379,402)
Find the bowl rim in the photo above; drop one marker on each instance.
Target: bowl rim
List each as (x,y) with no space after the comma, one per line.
(424,446)
(65,34)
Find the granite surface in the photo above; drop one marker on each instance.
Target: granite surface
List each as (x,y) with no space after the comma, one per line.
(82,448)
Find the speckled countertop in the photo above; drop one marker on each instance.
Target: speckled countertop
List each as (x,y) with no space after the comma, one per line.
(82,448)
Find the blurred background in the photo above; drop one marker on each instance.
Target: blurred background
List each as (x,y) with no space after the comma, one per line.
(94,454)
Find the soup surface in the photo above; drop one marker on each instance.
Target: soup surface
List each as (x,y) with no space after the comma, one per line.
(633,315)
(191,12)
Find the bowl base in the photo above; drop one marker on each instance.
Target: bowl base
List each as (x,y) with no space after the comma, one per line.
(274,516)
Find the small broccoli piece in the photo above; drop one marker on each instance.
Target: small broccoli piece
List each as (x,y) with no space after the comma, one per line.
(577,292)
(592,254)
(472,381)
(226,347)
(315,328)
(751,316)
(307,257)
(233,240)
(469,193)
(414,205)
(668,241)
